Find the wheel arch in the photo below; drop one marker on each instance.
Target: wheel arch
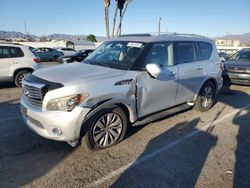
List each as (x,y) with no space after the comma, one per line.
(22,69)
(124,104)
(209,79)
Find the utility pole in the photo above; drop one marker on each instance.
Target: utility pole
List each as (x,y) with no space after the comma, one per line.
(25,28)
(159,25)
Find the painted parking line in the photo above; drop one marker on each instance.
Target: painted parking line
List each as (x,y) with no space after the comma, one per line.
(163,149)
(11,118)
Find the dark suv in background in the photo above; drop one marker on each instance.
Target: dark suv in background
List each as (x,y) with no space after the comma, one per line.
(237,69)
(78,56)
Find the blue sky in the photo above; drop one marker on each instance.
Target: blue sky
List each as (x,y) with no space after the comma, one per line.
(206,17)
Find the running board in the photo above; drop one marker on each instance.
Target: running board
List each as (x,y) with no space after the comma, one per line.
(161,114)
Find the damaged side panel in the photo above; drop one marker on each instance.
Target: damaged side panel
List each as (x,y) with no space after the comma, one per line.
(155,94)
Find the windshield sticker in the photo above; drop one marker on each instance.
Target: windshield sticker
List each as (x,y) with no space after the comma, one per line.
(134,44)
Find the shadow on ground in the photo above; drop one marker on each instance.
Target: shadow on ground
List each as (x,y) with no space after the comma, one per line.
(24,156)
(181,166)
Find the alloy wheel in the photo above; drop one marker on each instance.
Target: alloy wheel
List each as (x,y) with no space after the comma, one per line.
(207,96)
(107,129)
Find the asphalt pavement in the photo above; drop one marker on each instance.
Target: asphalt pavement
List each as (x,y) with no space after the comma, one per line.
(188,149)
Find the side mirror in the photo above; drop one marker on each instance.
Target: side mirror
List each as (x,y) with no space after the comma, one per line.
(154,70)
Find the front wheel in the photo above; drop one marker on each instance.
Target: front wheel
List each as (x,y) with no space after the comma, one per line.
(106,128)
(206,97)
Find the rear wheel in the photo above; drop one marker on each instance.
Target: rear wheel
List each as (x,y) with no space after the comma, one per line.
(55,58)
(20,76)
(106,128)
(206,97)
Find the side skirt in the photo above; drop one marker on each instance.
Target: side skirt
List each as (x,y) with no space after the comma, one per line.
(159,115)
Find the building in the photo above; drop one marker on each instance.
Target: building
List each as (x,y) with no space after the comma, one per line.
(223,42)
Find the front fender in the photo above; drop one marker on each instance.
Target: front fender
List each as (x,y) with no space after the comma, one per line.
(110,103)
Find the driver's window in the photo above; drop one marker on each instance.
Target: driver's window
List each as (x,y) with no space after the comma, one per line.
(161,54)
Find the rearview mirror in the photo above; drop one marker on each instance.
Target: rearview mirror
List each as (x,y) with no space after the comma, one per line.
(154,70)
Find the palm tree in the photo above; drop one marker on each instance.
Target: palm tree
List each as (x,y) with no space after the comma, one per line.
(106,12)
(118,32)
(114,20)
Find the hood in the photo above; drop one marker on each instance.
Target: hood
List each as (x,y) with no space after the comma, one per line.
(237,63)
(75,72)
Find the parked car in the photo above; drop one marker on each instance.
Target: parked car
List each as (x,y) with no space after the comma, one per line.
(48,54)
(16,61)
(128,81)
(224,56)
(78,57)
(66,51)
(237,70)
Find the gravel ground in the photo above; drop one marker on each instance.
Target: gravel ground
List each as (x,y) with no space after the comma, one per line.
(188,149)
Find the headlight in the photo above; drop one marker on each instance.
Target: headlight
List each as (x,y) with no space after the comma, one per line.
(66,104)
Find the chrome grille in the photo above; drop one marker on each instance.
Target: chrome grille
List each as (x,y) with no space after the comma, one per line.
(239,69)
(33,93)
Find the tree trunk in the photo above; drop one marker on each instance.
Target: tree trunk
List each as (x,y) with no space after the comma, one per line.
(120,23)
(114,21)
(106,9)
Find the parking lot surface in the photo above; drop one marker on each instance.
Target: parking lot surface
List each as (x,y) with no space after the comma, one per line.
(188,149)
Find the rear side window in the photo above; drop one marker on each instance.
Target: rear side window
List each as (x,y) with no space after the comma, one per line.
(4,52)
(205,50)
(184,52)
(15,52)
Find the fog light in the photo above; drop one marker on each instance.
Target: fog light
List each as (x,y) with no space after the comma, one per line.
(57,131)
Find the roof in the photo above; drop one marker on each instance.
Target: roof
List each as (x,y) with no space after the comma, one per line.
(164,37)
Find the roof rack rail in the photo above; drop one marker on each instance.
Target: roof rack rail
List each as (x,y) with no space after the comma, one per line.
(180,34)
(136,35)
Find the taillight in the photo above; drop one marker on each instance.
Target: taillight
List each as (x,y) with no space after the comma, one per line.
(37,60)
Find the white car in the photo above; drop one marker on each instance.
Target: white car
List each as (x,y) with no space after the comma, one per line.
(128,81)
(66,51)
(16,61)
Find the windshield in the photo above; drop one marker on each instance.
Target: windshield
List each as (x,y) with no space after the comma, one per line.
(241,56)
(116,54)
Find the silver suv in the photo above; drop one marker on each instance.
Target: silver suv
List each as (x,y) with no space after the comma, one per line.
(16,61)
(128,81)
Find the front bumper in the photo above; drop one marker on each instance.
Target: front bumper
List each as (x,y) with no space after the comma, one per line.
(43,122)
(237,78)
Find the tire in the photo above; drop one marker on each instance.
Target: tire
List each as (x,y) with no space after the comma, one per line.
(100,135)
(55,58)
(206,97)
(19,77)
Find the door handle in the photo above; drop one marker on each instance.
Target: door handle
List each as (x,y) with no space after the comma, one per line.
(172,73)
(15,62)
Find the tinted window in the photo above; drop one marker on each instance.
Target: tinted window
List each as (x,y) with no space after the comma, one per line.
(184,52)
(205,50)
(15,52)
(241,56)
(161,54)
(244,56)
(4,52)
(19,52)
